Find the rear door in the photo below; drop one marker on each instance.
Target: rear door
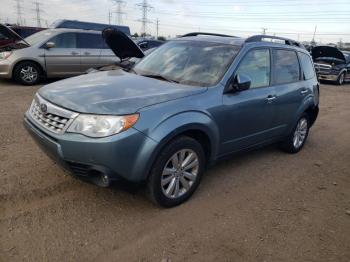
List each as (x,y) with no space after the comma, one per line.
(64,58)
(290,88)
(90,45)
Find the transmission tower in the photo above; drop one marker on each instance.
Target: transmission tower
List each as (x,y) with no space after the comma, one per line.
(145,8)
(38,11)
(119,12)
(19,12)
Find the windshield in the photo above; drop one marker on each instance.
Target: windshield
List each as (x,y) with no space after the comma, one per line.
(189,62)
(38,37)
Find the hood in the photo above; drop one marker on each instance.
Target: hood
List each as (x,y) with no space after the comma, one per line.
(122,45)
(113,92)
(327,51)
(10,34)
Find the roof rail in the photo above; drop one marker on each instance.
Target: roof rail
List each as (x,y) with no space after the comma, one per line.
(202,33)
(261,38)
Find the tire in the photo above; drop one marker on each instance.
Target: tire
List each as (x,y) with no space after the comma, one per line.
(27,73)
(293,143)
(169,184)
(341,79)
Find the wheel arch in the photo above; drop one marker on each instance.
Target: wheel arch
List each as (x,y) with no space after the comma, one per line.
(206,133)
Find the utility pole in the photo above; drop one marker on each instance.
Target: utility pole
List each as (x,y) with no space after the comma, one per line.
(119,12)
(37,11)
(313,38)
(157,27)
(109,16)
(145,8)
(19,12)
(264,31)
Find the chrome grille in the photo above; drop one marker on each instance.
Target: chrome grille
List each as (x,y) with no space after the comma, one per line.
(53,118)
(321,68)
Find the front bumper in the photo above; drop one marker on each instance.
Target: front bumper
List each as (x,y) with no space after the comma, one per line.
(5,68)
(328,77)
(125,155)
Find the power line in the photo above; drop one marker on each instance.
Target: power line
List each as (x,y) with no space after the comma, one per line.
(145,8)
(38,12)
(119,12)
(157,27)
(19,12)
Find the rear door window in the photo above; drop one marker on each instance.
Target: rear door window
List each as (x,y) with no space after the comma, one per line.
(307,66)
(285,66)
(90,41)
(256,66)
(65,40)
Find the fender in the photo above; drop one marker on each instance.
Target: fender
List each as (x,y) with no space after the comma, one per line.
(308,103)
(177,124)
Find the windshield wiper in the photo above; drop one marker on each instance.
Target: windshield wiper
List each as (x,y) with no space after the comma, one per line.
(160,77)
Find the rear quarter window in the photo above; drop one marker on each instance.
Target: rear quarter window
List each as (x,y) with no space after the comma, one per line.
(307,66)
(285,66)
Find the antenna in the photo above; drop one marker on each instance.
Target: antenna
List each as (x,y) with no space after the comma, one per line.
(19,12)
(119,12)
(145,7)
(38,12)
(157,27)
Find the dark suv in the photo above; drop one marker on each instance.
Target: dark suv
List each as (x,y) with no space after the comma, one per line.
(188,104)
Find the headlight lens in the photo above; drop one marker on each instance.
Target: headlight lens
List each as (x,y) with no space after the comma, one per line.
(102,125)
(5,55)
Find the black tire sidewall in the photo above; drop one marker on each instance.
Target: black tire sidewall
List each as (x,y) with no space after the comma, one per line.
(17,76)
(154,182)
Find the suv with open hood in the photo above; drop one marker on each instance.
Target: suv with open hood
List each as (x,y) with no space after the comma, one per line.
(331,64)
(191,102)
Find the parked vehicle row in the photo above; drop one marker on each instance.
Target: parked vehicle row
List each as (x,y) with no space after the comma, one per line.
(331,64)
(191,102)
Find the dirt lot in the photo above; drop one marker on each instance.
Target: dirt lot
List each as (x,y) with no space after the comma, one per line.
(262,206)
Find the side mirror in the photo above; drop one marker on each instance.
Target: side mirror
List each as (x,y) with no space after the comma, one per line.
(241,82)
(49,45)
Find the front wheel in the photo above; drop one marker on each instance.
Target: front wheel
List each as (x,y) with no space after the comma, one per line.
(27,73)
(296,140)
(341,79)
(177,172)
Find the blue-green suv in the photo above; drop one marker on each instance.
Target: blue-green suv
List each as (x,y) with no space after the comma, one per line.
(189,103)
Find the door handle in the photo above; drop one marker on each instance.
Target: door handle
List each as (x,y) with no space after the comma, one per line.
(271,98)
(75,53)
(86,53)
(304,91)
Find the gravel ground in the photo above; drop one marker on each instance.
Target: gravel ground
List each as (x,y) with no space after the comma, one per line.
(264,205)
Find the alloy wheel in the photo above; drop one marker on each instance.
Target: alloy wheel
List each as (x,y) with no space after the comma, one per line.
(29,74)
(300,133)
(180,173)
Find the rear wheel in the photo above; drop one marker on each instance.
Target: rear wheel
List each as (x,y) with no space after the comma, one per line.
(27,73)
(341,79)
(296,140)
(177,172)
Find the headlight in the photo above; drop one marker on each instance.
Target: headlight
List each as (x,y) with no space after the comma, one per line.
(102,125)
(5,55)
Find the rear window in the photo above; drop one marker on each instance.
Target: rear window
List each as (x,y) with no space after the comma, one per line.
(307,66)
(285,66)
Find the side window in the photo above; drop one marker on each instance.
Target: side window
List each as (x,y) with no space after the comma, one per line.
(285,66)
(91,41)
(256,65)
(65,40)
(307,66)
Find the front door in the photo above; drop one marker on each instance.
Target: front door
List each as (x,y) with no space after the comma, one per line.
(64,58)
(248,115)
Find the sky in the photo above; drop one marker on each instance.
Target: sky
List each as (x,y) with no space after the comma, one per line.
(289,18)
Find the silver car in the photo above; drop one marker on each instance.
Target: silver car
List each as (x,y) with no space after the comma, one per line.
(53,53)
